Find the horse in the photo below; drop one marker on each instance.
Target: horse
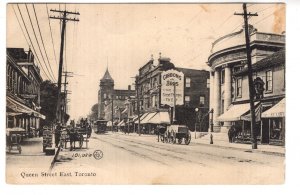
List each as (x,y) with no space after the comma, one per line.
(75,136)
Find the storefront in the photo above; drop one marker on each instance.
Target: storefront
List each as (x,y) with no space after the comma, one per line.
(274,118)
(20,115)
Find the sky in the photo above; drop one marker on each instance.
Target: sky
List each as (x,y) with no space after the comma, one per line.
(122,38)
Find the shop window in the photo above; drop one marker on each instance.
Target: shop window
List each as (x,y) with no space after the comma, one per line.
(269,80)
(202,101)
(239,87)
(187,82)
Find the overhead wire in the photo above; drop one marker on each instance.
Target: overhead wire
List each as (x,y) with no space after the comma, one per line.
(43,41)
(38,42)
(20,26)
(32,44)
(51,35)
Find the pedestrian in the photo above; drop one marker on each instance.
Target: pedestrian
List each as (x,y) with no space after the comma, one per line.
(231,133)
(57,134)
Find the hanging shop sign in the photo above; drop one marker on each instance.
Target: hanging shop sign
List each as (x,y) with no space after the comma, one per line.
(172,80)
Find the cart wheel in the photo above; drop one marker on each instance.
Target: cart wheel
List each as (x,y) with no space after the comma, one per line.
(180,140)
(188,138)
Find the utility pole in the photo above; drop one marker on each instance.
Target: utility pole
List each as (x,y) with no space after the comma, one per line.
(66,92)
(249,63)
(63,18)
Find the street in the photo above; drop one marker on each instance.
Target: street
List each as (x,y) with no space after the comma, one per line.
(133,159)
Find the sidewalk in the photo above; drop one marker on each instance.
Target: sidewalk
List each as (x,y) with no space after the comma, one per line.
(32,155)
(221,143)
(224,143)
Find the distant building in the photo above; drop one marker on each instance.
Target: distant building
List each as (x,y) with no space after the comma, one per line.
(156,81)
(22,90)
(108,95)
(229,89)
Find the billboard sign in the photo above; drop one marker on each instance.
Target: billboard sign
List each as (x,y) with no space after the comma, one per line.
(169,79)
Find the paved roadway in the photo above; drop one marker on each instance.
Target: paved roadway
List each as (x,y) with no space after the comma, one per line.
(132,159)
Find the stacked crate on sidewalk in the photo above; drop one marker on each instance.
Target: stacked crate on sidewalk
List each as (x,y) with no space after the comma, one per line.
(47,142)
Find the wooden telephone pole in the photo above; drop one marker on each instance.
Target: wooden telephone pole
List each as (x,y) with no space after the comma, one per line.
(63,18)
(66,92)
(250,72)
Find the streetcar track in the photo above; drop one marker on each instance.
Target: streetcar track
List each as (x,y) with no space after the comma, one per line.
(160,153)
(209,155)
(134,152)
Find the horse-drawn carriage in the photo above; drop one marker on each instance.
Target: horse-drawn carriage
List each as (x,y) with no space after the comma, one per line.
(172,133)
(77,134)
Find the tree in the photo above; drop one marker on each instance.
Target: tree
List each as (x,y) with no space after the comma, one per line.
(94,113)
(48,101)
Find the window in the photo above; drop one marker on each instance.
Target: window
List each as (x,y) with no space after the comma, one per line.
(207,83)
(187,100)
(187,82)
(269,80)
(202,101)
(104,96)
(222,76)
(239,87)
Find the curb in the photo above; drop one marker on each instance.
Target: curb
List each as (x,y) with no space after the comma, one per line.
(244,149)
(55,158)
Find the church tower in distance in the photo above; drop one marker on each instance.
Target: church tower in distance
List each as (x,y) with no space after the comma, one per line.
(105,93)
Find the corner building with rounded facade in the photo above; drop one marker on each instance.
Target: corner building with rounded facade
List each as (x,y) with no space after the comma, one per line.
(228,58)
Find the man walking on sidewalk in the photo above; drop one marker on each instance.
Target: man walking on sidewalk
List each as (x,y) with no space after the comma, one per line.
(57,134)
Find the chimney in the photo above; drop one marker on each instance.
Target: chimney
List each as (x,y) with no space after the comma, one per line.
(129,87)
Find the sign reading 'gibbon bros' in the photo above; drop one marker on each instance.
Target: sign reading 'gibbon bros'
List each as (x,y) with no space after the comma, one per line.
(172,80)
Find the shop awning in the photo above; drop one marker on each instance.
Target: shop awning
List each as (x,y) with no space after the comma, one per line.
(20,108)
(160,118)
(141,117)
(13,113)
(277,111)
(247,117)
(235,112)
(148,117)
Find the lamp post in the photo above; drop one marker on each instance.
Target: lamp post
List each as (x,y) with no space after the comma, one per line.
(196,110)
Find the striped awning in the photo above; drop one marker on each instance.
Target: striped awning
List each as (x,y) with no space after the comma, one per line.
(20,108)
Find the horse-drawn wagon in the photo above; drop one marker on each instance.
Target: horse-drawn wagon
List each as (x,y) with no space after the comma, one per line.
(173,133)
(77,134)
